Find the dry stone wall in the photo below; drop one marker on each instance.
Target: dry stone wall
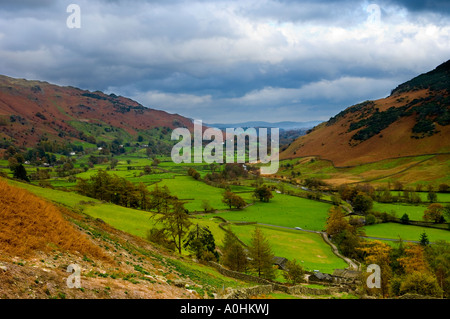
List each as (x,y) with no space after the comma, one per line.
(267,287)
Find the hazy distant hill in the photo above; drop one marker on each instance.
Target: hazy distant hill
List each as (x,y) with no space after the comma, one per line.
(286,125)
(413,120)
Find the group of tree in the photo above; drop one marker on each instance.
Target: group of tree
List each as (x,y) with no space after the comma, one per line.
(229,171)
(314,183)
(263,193)
(344,232)
(407,268)
(200,242)
(410,268)
(232,200)
(43,152)
(406,194)
(359,196)
(436,213)
(19,171)
(114,147)
(118,190)
(256,258)
(193,172)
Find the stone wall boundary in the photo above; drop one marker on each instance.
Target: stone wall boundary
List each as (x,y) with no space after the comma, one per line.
(265,286)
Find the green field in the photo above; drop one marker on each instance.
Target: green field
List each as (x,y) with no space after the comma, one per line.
(286,243)
(415,212)
(194,192)
(69,199)
(284,210)
(406,232)
(133,221)
(308,249)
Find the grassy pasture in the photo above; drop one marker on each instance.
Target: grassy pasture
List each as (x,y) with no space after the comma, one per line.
(193,192)
(415,212)
(308,249)
(405,232)
(284,210)
(69,199)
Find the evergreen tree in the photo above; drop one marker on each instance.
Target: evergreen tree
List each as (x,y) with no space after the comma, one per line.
(175,221)
(234,255)
(20,172)
(404,219)
(200,241)
(261,255)
(424,241)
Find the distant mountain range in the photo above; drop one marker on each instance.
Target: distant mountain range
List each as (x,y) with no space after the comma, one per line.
(413,120)
(286,125)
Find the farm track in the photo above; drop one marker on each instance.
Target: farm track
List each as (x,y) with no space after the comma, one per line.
(396,173)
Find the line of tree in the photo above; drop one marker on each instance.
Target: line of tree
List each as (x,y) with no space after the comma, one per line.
(118,190)
(385,194)
(230,171)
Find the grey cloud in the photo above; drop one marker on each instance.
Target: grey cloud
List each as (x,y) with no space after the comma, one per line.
(218,59)
(439,6)
(21,4)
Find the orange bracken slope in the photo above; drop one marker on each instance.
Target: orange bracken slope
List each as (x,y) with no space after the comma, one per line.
(335,140)
(39,108)
(29,224)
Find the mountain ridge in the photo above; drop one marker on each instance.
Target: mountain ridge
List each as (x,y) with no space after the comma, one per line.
(30,110)
(413,120)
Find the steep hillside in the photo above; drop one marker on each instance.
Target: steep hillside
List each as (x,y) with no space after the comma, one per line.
(39,240)
(413,120)
(30,110)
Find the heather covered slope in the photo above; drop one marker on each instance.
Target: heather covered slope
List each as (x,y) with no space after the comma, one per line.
(30,110)
(413,120)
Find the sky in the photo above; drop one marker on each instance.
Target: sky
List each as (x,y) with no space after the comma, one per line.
(227,61)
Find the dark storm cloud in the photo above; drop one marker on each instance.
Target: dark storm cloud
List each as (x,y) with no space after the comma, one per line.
(25,4)
(438,6)
(227,60)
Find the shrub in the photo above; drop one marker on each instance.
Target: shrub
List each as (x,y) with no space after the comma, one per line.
(421,283)
(370,219)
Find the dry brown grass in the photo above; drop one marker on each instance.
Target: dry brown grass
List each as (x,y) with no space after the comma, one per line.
(29,223)
(334,142)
